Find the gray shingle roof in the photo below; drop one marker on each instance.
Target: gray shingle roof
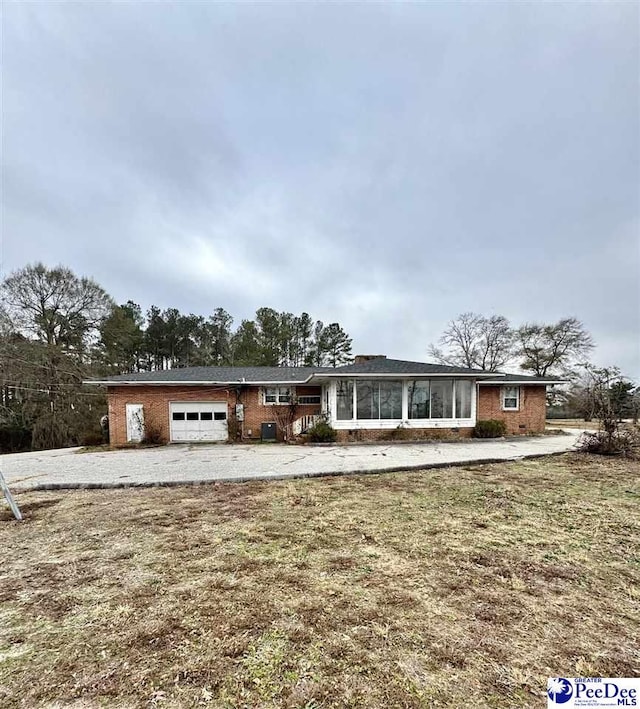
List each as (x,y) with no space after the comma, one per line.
(401,366)
(299,375)
(218,375)
(505,378)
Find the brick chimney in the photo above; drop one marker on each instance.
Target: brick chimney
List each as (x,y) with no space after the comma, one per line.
(360,359)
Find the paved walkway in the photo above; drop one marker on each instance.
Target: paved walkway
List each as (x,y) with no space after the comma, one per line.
(179,464)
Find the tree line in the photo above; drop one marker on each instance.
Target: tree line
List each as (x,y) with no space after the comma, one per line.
(57,328)
(130,341)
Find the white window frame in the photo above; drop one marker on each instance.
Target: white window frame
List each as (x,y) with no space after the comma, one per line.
(405,421)
(504,397)
(317,399)
(280,392)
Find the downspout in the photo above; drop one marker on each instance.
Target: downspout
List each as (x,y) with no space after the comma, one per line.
(239,388)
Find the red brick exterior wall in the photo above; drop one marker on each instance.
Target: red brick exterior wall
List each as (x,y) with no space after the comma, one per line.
(531,416)
(156,399)
(256,413)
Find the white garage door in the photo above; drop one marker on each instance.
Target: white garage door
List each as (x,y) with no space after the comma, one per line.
(199,421)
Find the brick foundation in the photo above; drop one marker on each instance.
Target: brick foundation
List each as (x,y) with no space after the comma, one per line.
(405,434)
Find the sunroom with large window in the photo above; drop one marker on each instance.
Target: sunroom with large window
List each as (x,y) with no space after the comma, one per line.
(414,403)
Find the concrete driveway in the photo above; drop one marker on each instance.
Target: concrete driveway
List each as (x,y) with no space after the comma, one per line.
(180,464)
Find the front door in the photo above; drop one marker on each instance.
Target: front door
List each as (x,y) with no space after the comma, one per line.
(135,422)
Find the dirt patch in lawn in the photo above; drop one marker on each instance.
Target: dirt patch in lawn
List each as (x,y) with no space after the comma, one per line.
(463,586)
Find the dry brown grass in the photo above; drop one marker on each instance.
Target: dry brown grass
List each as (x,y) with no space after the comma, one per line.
(454,587)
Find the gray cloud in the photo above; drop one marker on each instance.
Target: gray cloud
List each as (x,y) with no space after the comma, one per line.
(386,165)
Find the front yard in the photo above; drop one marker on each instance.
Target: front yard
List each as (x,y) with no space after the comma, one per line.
(454,587)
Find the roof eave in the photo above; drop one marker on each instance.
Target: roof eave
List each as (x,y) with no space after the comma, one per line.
(535,382)
(174,382)
(401,375)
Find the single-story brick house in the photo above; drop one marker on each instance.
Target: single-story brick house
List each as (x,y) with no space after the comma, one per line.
(366,400)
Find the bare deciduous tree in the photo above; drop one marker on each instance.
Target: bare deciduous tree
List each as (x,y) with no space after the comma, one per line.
(476,342)
(587,391)
(55,305)
(614,438)
(54,317)
(285,416)
(550,349)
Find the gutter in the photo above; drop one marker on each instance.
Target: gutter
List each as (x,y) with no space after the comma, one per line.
(173,383)
(403,375)
(538,382)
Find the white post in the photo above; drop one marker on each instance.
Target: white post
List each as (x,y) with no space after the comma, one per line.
(405,399)
(9,497)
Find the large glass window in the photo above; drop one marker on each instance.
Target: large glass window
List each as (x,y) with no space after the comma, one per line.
(379,399)
(364,400)
(390,397)
(382,399)
(418,400)
(344,397)
(441,398)
(463,399)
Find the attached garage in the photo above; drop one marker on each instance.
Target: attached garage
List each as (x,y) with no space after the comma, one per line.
(198,421)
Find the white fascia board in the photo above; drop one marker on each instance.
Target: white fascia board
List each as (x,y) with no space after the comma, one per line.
(273,383)
(522,382)
(398,375)
(174,383)
(122,383)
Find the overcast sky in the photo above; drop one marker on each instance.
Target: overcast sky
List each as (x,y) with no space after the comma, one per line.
(385,165)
